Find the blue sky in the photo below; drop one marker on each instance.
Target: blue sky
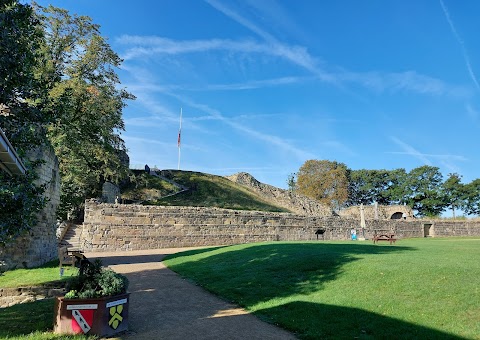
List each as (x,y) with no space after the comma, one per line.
(266,85)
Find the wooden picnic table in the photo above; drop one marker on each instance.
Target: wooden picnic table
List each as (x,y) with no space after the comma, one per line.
(384,237)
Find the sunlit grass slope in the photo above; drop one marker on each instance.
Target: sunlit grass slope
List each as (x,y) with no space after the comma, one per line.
(417,289)
(205,190)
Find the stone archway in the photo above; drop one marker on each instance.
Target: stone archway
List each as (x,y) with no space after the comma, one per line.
(397,216)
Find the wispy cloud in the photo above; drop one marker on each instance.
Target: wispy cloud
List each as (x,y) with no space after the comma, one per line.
(445,159)
(248,85)
(241,20)
(272,140)
(410,150)
(468,64)
(151,45)
(409,81)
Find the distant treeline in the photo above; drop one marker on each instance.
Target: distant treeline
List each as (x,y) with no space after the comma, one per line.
(423,188)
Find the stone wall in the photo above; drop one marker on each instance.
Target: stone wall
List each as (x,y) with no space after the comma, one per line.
(291,201)
(13,296)
(39,245)
(443,228)
(385,212)
(111,227)
(110,192)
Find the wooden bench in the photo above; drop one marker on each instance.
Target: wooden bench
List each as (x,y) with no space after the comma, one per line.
(64,257)
(384,237)
(72,256)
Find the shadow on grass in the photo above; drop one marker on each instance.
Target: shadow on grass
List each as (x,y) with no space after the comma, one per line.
(321,321)
(33,320)
(250,274)
(25,318)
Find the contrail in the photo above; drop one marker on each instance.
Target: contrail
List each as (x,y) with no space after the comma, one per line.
(462,44)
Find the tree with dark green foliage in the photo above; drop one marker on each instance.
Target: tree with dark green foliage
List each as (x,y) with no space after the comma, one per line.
(422,191)
(78,66)
(454,191)
(369,186)
(20,198)
(471,204)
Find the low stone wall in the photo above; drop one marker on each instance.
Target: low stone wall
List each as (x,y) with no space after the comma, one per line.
(111,227)
(13,296)
(454,228)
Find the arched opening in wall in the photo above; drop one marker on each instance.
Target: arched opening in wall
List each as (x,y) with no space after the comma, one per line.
(397,216)
(428,230)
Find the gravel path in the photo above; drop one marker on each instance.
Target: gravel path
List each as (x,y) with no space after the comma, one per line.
(165,306)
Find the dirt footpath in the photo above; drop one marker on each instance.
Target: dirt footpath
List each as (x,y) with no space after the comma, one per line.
(164,306)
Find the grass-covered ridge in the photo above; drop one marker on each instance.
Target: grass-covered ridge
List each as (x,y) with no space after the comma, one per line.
(418,289)
(205,190)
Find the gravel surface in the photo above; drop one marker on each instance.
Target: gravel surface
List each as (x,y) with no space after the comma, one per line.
(165,306)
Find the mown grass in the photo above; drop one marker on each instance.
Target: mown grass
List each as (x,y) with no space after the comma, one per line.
(213,191)
(32,320)
(417,289)
(47,273)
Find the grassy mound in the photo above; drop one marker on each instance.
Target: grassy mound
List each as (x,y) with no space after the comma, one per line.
(204,190)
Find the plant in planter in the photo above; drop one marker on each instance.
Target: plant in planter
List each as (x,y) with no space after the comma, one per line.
(96,303)
(94,281)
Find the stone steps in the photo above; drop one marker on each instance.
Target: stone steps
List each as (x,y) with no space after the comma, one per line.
(72,238)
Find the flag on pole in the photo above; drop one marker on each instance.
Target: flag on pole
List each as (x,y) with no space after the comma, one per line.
(179,138)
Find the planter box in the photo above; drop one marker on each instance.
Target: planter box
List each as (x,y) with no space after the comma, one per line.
(102,316)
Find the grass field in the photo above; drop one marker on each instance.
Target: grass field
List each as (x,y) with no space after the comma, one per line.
(417,289)
(47,273)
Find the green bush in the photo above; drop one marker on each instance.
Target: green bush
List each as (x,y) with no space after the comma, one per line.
(95,281)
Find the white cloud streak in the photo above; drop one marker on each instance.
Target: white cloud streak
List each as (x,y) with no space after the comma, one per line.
(409,81)
(445,160)
(462,45)
(410,150)
(270,139)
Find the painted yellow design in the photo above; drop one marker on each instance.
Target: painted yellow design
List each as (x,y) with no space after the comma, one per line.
(116,317)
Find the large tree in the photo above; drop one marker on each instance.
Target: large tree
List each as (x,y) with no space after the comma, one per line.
(79,69)
(369,186)
(20,116)
(20,94)
(454,192)
(422,191)
(325,181)
(472,198)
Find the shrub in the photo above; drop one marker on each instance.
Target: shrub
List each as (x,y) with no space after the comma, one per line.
(94,281)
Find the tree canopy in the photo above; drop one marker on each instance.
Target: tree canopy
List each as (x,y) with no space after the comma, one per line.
(325,181)
(58,86)
(78,66)
(422,188)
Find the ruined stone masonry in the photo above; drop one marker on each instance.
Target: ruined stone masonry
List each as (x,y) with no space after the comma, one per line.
(39,245)
(291,201)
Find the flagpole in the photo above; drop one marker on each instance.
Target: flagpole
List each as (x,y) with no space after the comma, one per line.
(179,137)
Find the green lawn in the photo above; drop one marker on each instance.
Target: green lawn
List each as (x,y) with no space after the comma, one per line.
(32,320)
(417,289)
(35,276)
